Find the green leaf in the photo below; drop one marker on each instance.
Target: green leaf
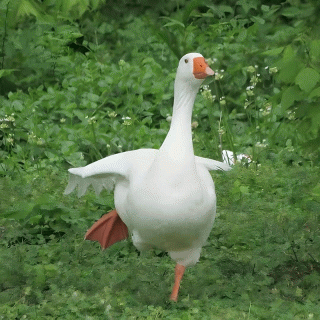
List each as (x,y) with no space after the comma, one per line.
(289,69)
(307,79)
(28,7)
(316,191)
(291,12)
(6,72)
(315,93)
(289,96)
(289,65)
(221,10)
(257,19)
(242,35)
(189,8)
(273,52)
(173,22)
(244,189)
(315,49)
(247,5)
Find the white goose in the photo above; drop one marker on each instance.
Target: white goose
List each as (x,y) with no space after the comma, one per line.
(166,197)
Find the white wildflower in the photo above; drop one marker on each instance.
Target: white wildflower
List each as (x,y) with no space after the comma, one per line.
(273,70)
(194,124)
(92,120)
(111,114)
(262,144)
(246,104)
(221,131)
(223,101)
(206,93)
(40,142)
(267,109)
(3,126)
(10,139)
(32,137)
(291,115)
(217,75)
(126,121)
(254,80)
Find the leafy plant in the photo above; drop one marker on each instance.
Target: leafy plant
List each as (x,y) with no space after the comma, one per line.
(81,80)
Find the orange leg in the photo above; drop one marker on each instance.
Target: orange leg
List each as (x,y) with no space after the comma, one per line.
(179,271)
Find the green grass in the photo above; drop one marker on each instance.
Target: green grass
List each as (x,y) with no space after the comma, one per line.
(260,262)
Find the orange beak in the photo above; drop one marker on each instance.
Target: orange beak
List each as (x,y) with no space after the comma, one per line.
(201,69)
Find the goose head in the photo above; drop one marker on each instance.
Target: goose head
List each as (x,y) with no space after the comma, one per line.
(193,69)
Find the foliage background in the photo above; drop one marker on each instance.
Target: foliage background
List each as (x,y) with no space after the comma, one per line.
(81,80)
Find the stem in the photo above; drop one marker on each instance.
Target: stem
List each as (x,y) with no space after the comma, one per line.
(4,36)
(225,119)
(292,248)
(312,257)
(94,134)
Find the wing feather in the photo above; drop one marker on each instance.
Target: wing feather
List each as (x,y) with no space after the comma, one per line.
(105,172)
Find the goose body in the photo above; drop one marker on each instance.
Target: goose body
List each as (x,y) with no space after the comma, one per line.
(166,197)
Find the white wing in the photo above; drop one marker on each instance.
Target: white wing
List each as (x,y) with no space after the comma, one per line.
(212,164)
(104,173)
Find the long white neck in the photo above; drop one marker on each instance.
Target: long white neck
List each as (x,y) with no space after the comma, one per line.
(178,143)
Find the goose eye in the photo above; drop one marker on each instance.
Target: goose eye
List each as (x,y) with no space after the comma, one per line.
(186,60)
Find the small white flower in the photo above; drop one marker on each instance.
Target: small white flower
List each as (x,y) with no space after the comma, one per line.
(92,120)
(10,118)
(246,104)
(221,131)
(111,114)
(273,70)
(291,115)
(206,93)
(194,124)
(10,140)
(218,76)
(40,142)
(127,122)
(261,145)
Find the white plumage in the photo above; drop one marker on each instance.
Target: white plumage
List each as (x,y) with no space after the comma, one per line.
(165,197)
